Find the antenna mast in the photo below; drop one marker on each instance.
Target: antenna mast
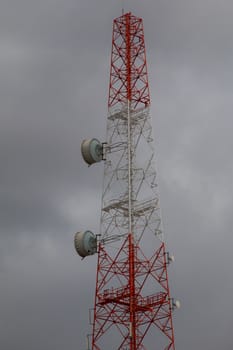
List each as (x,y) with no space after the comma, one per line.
(133,307)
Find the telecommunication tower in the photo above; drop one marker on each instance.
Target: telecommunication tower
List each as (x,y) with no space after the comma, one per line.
(133,307)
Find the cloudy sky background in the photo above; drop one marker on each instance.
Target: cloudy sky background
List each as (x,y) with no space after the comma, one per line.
(54,73)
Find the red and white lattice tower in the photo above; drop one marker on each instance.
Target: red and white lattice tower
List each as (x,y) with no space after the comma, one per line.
(133,307)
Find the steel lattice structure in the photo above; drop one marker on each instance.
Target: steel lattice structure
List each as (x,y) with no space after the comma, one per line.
(133,307)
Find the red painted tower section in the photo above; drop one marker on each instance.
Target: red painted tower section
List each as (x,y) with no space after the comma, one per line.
(133,307)
(128,76)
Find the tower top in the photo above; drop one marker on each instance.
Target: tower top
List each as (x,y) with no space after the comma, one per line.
(128,76)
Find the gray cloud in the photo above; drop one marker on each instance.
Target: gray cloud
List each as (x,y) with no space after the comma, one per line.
(54,70)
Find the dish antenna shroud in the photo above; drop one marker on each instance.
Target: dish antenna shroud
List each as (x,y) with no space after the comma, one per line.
(85,243)
(92,151)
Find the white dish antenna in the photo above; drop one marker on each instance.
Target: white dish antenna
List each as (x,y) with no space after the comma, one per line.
(92,151)
(85,243)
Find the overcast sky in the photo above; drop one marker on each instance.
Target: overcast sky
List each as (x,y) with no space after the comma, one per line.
(54,73)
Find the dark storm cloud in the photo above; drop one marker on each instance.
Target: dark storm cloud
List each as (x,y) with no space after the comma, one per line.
(54,66)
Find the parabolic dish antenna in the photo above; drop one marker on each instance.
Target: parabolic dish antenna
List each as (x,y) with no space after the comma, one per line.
(92,151)
(85,243)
